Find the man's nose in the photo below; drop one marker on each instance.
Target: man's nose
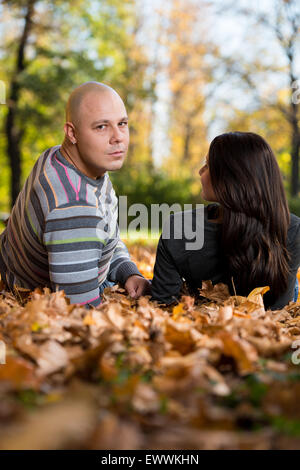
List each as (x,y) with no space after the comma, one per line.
(116,135)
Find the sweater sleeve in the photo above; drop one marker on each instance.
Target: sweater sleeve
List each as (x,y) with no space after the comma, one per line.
(74,250)
(121,266)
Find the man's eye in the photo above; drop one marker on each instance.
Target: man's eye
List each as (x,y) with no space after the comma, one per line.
(123,123)
(101,126)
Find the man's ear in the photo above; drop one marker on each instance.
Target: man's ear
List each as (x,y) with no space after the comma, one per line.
(70,132)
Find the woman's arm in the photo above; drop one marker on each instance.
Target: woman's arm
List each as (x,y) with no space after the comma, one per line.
(288,295)
(167,281)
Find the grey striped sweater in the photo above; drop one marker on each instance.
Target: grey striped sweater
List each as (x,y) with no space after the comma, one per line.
(63,233)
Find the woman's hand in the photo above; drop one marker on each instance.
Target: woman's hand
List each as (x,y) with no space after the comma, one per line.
(137,286)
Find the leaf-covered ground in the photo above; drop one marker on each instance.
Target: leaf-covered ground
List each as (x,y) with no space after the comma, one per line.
(210,373)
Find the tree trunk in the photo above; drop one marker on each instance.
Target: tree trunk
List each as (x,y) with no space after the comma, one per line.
(14,131)
(187,141)
(295,159)
(295,144)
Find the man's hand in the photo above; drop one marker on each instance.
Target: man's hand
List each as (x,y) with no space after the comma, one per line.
(137,286)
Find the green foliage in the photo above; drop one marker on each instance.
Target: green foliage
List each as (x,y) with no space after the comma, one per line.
(30,398)
(69,43)
(149,185)
(294,205)
(72,42)
(256,389)
(287,426)
(5,171)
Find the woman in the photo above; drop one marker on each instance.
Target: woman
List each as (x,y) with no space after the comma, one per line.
(250,238)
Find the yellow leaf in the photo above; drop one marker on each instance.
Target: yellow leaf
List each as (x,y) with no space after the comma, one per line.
(255,296)
(178,310)
(257,291)
(35,327)
(89,320)
(243,352)
(53,397)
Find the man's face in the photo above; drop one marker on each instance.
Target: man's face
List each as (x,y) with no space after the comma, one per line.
(102,133)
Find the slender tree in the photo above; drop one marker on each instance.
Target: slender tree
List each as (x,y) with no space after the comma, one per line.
(53,47)
(282,20)
(14,129)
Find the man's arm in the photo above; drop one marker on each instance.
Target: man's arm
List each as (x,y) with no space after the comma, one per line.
(74,250)
(124,271)
(121,266)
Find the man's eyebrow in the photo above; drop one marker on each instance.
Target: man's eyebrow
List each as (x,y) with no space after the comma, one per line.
(107,121)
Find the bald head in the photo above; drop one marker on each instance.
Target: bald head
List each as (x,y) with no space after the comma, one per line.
(79,95)
(96,130)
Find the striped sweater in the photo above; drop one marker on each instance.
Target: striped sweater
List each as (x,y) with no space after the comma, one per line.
(63,233)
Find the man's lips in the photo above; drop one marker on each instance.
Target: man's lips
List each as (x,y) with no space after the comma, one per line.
(117,152)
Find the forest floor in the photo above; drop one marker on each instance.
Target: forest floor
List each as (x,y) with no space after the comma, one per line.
(216,372)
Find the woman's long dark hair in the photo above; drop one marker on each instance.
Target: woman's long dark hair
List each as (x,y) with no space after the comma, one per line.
(248,185)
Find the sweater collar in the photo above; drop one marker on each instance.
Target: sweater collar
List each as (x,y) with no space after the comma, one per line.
(97,183)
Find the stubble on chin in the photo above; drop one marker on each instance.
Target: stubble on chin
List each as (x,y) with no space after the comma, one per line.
(115,166)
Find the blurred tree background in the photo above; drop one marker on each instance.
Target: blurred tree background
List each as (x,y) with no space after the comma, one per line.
(186,69)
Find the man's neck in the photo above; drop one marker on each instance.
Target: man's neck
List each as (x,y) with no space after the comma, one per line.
(70,153)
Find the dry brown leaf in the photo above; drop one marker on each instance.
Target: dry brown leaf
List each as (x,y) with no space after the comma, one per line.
(150,370)
(243,352)
(52,357)
(18,374)
(218,292)
(57,426)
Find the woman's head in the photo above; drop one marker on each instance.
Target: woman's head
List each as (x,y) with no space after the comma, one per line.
(245,179)
(245,175)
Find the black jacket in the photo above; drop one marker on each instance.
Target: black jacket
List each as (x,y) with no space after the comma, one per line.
(175,263)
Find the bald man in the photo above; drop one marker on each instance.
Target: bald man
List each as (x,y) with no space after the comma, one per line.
(63,231)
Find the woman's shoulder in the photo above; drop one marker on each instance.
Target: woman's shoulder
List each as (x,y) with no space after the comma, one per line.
(294,220)
(201,216)
(190,228)
(294,228)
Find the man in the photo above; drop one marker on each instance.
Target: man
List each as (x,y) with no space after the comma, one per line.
(62,231)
